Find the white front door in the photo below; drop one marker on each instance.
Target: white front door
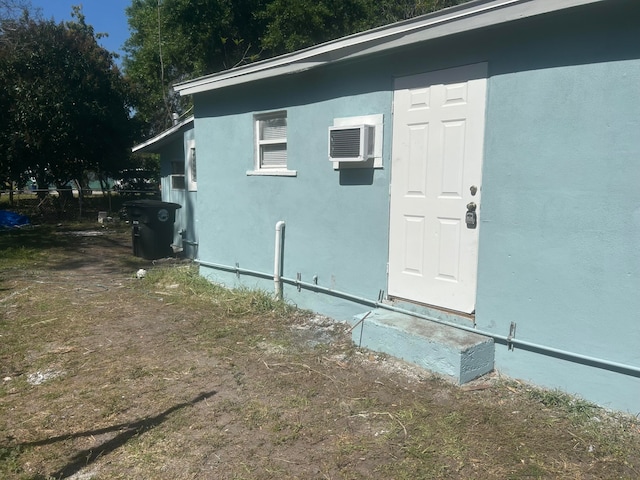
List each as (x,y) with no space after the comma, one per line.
(438,132)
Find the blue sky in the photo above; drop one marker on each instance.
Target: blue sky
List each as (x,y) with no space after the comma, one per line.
(106,16)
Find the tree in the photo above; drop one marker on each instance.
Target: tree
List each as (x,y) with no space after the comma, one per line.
(390,11)
(67,107)
(176,40)
(13,9)
(296,24)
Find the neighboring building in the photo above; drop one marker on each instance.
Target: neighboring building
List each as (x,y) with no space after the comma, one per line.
(511,131)
(177,149)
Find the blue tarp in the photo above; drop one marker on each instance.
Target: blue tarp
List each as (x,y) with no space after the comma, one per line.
(12,219)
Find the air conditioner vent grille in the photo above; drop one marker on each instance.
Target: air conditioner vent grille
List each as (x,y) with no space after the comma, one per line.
(345,143)
(351,143)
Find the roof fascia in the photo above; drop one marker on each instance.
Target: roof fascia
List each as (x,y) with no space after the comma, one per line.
(464,18)
(147,145)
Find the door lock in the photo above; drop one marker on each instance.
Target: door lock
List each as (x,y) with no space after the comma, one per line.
(471,218)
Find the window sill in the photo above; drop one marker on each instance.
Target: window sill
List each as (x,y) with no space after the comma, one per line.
(273,173)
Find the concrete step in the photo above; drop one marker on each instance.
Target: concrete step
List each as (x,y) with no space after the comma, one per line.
(442,349)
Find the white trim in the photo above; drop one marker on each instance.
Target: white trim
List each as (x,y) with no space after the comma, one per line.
(462,18)
(274,172)
(163,135)
(190,166)
(261,142)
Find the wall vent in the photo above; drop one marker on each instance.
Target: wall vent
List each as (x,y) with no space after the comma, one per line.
(351,143)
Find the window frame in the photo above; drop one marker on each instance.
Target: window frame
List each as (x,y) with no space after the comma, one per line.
(191,168)
(176,175)
(260,143)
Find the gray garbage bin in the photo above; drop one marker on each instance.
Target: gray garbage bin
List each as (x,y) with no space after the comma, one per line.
(151,227)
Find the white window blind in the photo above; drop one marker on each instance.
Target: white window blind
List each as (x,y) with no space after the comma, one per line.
(191,169)
(271,141)
(194,170)
(273,156)
(273,129)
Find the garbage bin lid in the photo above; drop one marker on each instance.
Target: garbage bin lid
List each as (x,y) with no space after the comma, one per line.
(147,203)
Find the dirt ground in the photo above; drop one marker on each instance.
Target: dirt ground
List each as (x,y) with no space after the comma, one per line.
(104,375)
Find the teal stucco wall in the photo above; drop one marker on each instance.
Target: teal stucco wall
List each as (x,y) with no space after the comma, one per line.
(185,225)
(561,221)
(560,213)
(560,218)
(330,215)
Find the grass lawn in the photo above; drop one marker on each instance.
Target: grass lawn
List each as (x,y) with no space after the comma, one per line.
(104,375)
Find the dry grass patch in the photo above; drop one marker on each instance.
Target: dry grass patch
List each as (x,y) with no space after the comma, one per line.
(108,376)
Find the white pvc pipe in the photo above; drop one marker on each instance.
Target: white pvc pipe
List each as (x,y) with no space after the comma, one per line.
(277,261)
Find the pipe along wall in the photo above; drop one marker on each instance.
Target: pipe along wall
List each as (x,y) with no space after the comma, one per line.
(509,341)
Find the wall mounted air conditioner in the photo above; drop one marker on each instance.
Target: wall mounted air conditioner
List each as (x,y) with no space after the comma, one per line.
(351,143)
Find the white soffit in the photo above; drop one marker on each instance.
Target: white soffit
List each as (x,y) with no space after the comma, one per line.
(463,18)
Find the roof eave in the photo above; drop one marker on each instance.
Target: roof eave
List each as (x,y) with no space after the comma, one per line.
(467,17)
(154,142)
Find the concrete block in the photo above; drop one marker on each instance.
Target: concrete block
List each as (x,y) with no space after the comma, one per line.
(439,348)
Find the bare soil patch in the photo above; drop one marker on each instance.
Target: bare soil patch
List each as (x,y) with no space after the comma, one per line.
(104,375)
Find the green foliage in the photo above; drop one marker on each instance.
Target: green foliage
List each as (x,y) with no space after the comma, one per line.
(178,40)
(66,106)
(10,458)
(396,10)
(12,9)
(573,406)
(237,302)
(295,24)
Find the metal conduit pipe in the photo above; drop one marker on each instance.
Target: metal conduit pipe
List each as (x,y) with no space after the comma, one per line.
(236,269)
(551,351)
(182,233)
(603,364)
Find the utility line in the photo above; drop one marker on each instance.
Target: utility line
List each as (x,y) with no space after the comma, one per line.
(164,93)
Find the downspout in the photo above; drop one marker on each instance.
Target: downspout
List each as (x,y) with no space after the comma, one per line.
(603,364)
(277,262)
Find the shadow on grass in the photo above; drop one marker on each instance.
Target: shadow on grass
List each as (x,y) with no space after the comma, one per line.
(43,237)
(127,431)
(40,237)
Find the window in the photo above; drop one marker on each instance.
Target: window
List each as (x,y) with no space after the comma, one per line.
(271,145)
(192,177)
(177,175)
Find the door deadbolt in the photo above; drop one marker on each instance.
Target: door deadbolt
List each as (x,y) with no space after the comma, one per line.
(471,217)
